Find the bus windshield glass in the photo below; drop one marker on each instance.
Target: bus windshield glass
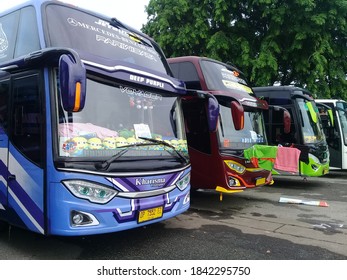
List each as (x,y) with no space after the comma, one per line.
(219,77)
(118,118)
(68,27)
(312,131)
(342,113)
(252,133)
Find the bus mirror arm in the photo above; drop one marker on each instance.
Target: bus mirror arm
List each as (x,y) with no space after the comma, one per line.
(213,112)
(212,107)
(286,121)
(286,117)
(238,115)
(72,75)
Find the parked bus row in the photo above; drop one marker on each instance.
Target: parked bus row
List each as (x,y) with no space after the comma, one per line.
(100,133)
(270,130)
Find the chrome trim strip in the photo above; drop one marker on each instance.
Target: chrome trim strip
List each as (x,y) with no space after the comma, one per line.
(131,70)
(125,174)
(144,194)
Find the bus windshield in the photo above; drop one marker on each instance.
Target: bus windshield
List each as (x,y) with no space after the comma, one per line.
(118,118)
(342,113)
(312,131)
(252,133)
(71,28)
(219,77)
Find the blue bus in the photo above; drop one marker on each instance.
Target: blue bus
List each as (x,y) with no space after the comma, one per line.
(92,136)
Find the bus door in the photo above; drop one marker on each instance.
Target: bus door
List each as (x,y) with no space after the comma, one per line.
(201,116)
(4,97)
(331,130)
(25,192)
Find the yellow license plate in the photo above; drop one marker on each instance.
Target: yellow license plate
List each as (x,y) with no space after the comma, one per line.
(150,214)
(260,181)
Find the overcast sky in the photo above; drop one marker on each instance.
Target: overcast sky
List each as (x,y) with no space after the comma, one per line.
(131,12)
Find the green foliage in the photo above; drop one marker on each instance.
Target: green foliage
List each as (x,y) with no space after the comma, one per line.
(301,42)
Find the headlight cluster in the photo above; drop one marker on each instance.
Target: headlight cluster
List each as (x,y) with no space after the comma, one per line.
(184,182)
(233,165)
(314,158)
(91,191)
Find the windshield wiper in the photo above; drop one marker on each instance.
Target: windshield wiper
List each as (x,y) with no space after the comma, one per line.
(105,164)
(116,23)
(161,142)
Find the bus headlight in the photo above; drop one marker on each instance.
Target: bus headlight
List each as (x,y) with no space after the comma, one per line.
(183,183)
(314,159)
(233,165)
(93,192)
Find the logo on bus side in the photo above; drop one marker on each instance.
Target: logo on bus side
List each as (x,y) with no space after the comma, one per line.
(154,182)
(3,41)
(146,81)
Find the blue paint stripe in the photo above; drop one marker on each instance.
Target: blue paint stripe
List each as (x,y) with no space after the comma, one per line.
(4,170)
(28,203)
(128,184)
(3,188)
(171,179)
(3,196)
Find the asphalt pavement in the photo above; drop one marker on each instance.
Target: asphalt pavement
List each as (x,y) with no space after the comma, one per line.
(252,225)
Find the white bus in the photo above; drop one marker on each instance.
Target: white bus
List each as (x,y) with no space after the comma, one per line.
(336,132)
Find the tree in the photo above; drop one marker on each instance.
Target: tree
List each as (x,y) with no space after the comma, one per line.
(301,42)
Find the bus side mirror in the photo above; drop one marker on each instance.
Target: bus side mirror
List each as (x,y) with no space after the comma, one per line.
(286,121)
(72,76)
(331,117)
(238,115)
(312,111)
(213,113)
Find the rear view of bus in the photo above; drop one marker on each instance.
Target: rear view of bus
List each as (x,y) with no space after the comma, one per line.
(91,130)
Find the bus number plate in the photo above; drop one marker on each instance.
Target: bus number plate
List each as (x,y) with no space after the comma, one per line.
(260,181)
(150,214)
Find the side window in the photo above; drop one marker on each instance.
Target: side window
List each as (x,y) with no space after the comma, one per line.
(196,124)
(27,118)
(28,36)
(4,95)
(186,72)
(8,32)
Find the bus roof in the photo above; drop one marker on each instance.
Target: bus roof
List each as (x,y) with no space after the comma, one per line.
(281,92)
(331,100)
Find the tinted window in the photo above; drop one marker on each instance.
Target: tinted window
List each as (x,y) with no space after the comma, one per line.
(198,135)
(71,28)
(186,72)
(8,31)
(4,94)
(280,101)
(223,77)
(27,118)
(28,36)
